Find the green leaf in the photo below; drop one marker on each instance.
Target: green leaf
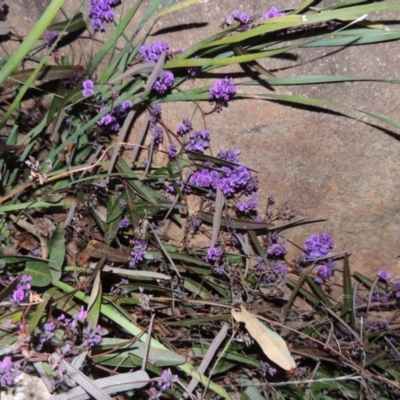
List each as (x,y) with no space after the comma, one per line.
(157,357)
(34,34)
(114,212)
(57,252)
(40,272)
(71,25)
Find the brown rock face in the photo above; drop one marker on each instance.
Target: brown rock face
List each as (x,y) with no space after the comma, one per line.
(325,164)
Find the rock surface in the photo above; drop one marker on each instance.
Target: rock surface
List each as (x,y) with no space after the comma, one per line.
(341,168)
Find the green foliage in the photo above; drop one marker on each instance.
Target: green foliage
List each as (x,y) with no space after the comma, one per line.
(144,295)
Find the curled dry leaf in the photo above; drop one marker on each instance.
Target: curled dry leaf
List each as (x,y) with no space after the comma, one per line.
(273,346)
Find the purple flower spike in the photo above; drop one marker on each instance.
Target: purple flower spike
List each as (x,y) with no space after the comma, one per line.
(172,151)
(138,253)
(100,11)
(222,90)
(164,81)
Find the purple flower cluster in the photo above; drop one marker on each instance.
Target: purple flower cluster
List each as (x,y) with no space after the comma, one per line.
(8,372)
(20,293)
(47,332)
(194,223)
(236,16)
(88,88)
(222,90)
(111,121)
(185,127)
(318,246)
(214,254)
(247,207)
(198,141)
(272,13)
(72,322)
(50,37)
(172,151)
(164,81)
(138,253)
(324,272)
(92,336)
(158,134)
(275,248)
(124,223)
(266,368)
(167,379)
(100,11)
(153,52)
(232,180)
(155,113)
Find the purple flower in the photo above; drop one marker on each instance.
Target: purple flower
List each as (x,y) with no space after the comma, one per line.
(92,336)
(167,379)
(271,199)
(172,151)
(82,314)
(194,223)
(155,112)
(213,254)
(124,223)
(100,11)
(47,332)
(87,88)
(279,269)
(164,81)
(138,253)
(383,274)
(231,156)
(158,134)
(185,127)
(324,272)
(272,13)
(18,295)
(50,37)
(248,206)
(261,266)
(108,119)
(8,372)
(266,368)
(318,246)
(222,90)
(277,250)
(198,141)
(243,18)
(153,52)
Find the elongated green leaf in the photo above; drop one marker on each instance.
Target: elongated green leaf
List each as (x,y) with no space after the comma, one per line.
(56,253)
(74,24)
(34,34)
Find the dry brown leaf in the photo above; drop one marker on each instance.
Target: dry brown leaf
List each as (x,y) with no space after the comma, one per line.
(273,346)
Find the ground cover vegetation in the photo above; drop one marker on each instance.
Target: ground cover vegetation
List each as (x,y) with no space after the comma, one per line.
(95,297)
